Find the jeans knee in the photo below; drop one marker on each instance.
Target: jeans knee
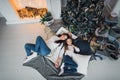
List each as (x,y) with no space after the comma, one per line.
(39,38)
(26,45)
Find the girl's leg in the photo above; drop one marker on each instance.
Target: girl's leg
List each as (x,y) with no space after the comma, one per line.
(70,71)
(29,47)
(68,61)
(41,47)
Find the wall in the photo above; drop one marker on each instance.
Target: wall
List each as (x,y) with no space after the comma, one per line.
(117,8)
(7,11)
(54,6)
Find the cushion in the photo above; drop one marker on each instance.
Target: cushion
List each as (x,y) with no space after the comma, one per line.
(47,69)
(63,30)
(75,76)
(82,61)
(83,45)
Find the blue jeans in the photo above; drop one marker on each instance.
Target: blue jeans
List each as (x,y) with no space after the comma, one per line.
(69,65)
(40,47)
(69,62)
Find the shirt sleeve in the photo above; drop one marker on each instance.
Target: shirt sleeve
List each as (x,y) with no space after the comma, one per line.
(77,49)
(51,42)
(61,52)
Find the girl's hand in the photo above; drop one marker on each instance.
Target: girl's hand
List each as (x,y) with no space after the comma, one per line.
(57,64)
(70,34)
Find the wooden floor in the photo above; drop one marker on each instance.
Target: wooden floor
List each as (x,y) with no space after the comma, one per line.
(12,54)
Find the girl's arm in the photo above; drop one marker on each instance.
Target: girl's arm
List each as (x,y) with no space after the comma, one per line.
(76,48)
(57,63)
(59,59)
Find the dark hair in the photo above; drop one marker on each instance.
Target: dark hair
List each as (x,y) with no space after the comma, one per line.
(66,45)
(59,35)
(62,41)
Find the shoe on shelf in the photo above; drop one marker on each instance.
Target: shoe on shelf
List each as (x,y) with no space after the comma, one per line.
(30,57)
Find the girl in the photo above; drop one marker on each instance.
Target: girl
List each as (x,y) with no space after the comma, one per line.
(68,65)
(42,48)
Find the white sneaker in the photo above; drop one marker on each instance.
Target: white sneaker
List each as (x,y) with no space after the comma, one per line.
(33,55)
(61,69)
(30,57)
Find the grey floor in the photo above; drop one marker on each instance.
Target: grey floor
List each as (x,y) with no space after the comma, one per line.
(12,54)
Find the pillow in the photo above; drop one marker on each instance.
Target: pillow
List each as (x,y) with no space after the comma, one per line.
(63,30)
(82,62)
(83,45)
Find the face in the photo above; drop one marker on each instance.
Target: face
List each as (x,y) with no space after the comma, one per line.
(63,37)
(69,41)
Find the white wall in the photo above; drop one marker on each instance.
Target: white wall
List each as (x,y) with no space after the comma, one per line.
(10,14)
(117,8)
(54,6)
(7,11)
